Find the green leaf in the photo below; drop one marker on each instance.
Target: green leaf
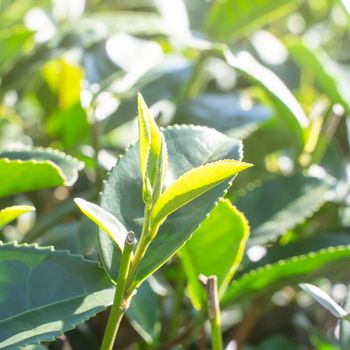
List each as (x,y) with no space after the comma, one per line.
(298,198)
(270,277)
(188,147)
(10,213)
(67,164)
(29,170)
(153,153)
(144,313)
(193,184)
(45,293)
(105,220)
(324,299)
(20,176)
(328,74)
(233,18)
(12,42)
(234,119)
(282,99)
(164,82)
(224,233)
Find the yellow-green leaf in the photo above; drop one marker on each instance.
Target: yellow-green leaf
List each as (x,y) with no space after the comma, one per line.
(226,243)
(105,220)
(150,139)
(10,213)
(191,185)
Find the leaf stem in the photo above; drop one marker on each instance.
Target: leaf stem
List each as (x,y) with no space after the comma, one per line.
(121,302)
(146,238)
(211,286)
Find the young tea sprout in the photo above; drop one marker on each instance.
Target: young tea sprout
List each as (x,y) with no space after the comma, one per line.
(159,203)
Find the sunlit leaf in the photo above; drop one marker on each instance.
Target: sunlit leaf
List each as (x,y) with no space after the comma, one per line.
(106,221)
(12,42)
(10,213)
(193,184)
(153,154)
(232,18)
(281,97)
(297,268)
(56,168)
(188,147)
(330,76)
(224,233)
(324,299)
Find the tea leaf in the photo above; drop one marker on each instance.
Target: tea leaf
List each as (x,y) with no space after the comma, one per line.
(105,220)
(292,270)
(22,171)
(68,165)
(324,299)
(226,244)
(230,18)
(298,198)
(144,313)
(37,283)
(152,151)
(10,213)
(193,184)
(189,147)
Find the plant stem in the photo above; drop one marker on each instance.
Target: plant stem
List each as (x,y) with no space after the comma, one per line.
(211,286)
(141,248)
(120,303)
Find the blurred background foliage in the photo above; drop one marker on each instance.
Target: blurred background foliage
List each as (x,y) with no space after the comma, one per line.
(274,73)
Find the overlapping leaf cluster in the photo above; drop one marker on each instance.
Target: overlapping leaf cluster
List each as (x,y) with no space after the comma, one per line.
(271,76)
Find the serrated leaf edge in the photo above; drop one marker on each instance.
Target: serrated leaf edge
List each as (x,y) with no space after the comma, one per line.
(294,259)
(41,162)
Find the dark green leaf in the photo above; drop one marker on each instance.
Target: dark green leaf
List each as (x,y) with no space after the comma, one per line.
(292,270)
(291,199)
(46,292)
(223,112)
(144,313)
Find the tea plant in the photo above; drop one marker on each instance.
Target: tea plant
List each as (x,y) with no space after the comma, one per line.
(135,266)
(215,263)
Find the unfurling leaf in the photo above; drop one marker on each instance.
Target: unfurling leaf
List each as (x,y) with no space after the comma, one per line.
(191,185)
(105,220)
(10,213)
(153,155)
